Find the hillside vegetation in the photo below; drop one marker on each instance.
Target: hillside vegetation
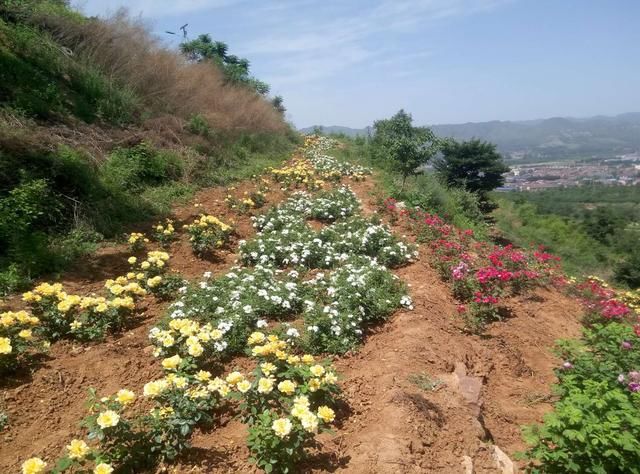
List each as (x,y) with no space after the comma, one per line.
(101,126)
(595,228)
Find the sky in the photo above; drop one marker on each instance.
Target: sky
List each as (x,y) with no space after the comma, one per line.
(350,62)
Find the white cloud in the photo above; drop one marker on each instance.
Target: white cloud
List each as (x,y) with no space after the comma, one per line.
(151,8)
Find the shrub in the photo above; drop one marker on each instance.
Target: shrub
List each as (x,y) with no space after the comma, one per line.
(139,166)
(593,429)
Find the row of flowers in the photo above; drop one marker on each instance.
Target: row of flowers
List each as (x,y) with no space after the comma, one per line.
(290,396)
(481,275)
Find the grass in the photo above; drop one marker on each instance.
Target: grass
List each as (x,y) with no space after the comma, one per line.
(425,382)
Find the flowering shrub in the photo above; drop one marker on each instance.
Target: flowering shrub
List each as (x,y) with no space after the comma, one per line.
(249,201)
(600,382)
(18,339)
(218,315)
(83,317)
(286,404)
(480,275)
(152,275)
(299,174)
(208,233)
(164,233)
(359,293)
(137,241)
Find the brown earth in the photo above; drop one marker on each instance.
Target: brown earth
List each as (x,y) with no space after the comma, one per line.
(486,386)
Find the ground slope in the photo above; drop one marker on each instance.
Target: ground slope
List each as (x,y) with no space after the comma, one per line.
(491,384)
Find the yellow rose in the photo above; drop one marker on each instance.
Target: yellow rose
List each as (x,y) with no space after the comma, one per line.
(326,414)
(125,396)
(26,334)
(244,386)
(155,388)
(234,377)
(171,363)
(287,387)
(282,427)
(33,466)
(5,345)
(77,449)
(317,370)
(132,260)
(107,419)
(103,468)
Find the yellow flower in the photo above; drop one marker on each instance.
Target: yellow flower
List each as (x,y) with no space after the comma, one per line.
(317,370)
(102,307)
(171,363)
(195,349)
(267,368)
(282,427)
(33,466)
(26,334)
(287,387)
(299,411)
(314,385)
(103,468)
(77,449)
(326,414)
(234,377)
(244,386)
(154,388)
(301,400)
(256,338)
(125,396)
(5,345)
(132,260)
(265,385)
(107,419)
(330,378)
(155,281)
(145,265)
(309,422)
(203,375)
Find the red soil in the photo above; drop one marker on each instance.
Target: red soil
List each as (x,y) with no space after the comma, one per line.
(491,384)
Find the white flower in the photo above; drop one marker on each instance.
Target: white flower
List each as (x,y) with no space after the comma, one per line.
(207,275)
(293,332)
(261,323)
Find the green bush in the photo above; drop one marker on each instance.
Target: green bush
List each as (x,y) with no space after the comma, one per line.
(593,429)
(140,166)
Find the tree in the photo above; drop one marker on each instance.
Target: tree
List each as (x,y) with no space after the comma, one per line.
(235,69)
(473,165)
(406,148)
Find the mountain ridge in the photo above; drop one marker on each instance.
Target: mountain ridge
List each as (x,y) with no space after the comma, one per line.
(553,138)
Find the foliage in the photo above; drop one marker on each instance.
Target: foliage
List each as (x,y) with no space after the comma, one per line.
(19,339)
(405,147)
(235,69)
(472,165)
(593,429)
(208,233)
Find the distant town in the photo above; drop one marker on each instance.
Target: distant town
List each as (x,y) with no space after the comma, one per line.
(621,170)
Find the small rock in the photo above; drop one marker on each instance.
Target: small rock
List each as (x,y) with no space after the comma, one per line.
(503,462)
(467,465)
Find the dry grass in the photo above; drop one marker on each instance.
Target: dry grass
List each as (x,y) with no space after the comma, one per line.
(125,50)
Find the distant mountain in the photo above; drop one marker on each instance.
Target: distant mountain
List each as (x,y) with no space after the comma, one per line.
(555,138)
(337,129)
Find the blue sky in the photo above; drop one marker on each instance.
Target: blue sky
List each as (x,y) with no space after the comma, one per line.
(446,61)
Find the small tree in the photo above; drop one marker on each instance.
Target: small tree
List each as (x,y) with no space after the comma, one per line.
(472,165)
(235,69)
(405,147)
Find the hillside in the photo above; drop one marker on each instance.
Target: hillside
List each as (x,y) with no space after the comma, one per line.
(543,140)
(101,127)
(189,286)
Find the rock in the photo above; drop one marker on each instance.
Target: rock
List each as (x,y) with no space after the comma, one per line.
(470,388)
(467,465)
(503,462)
